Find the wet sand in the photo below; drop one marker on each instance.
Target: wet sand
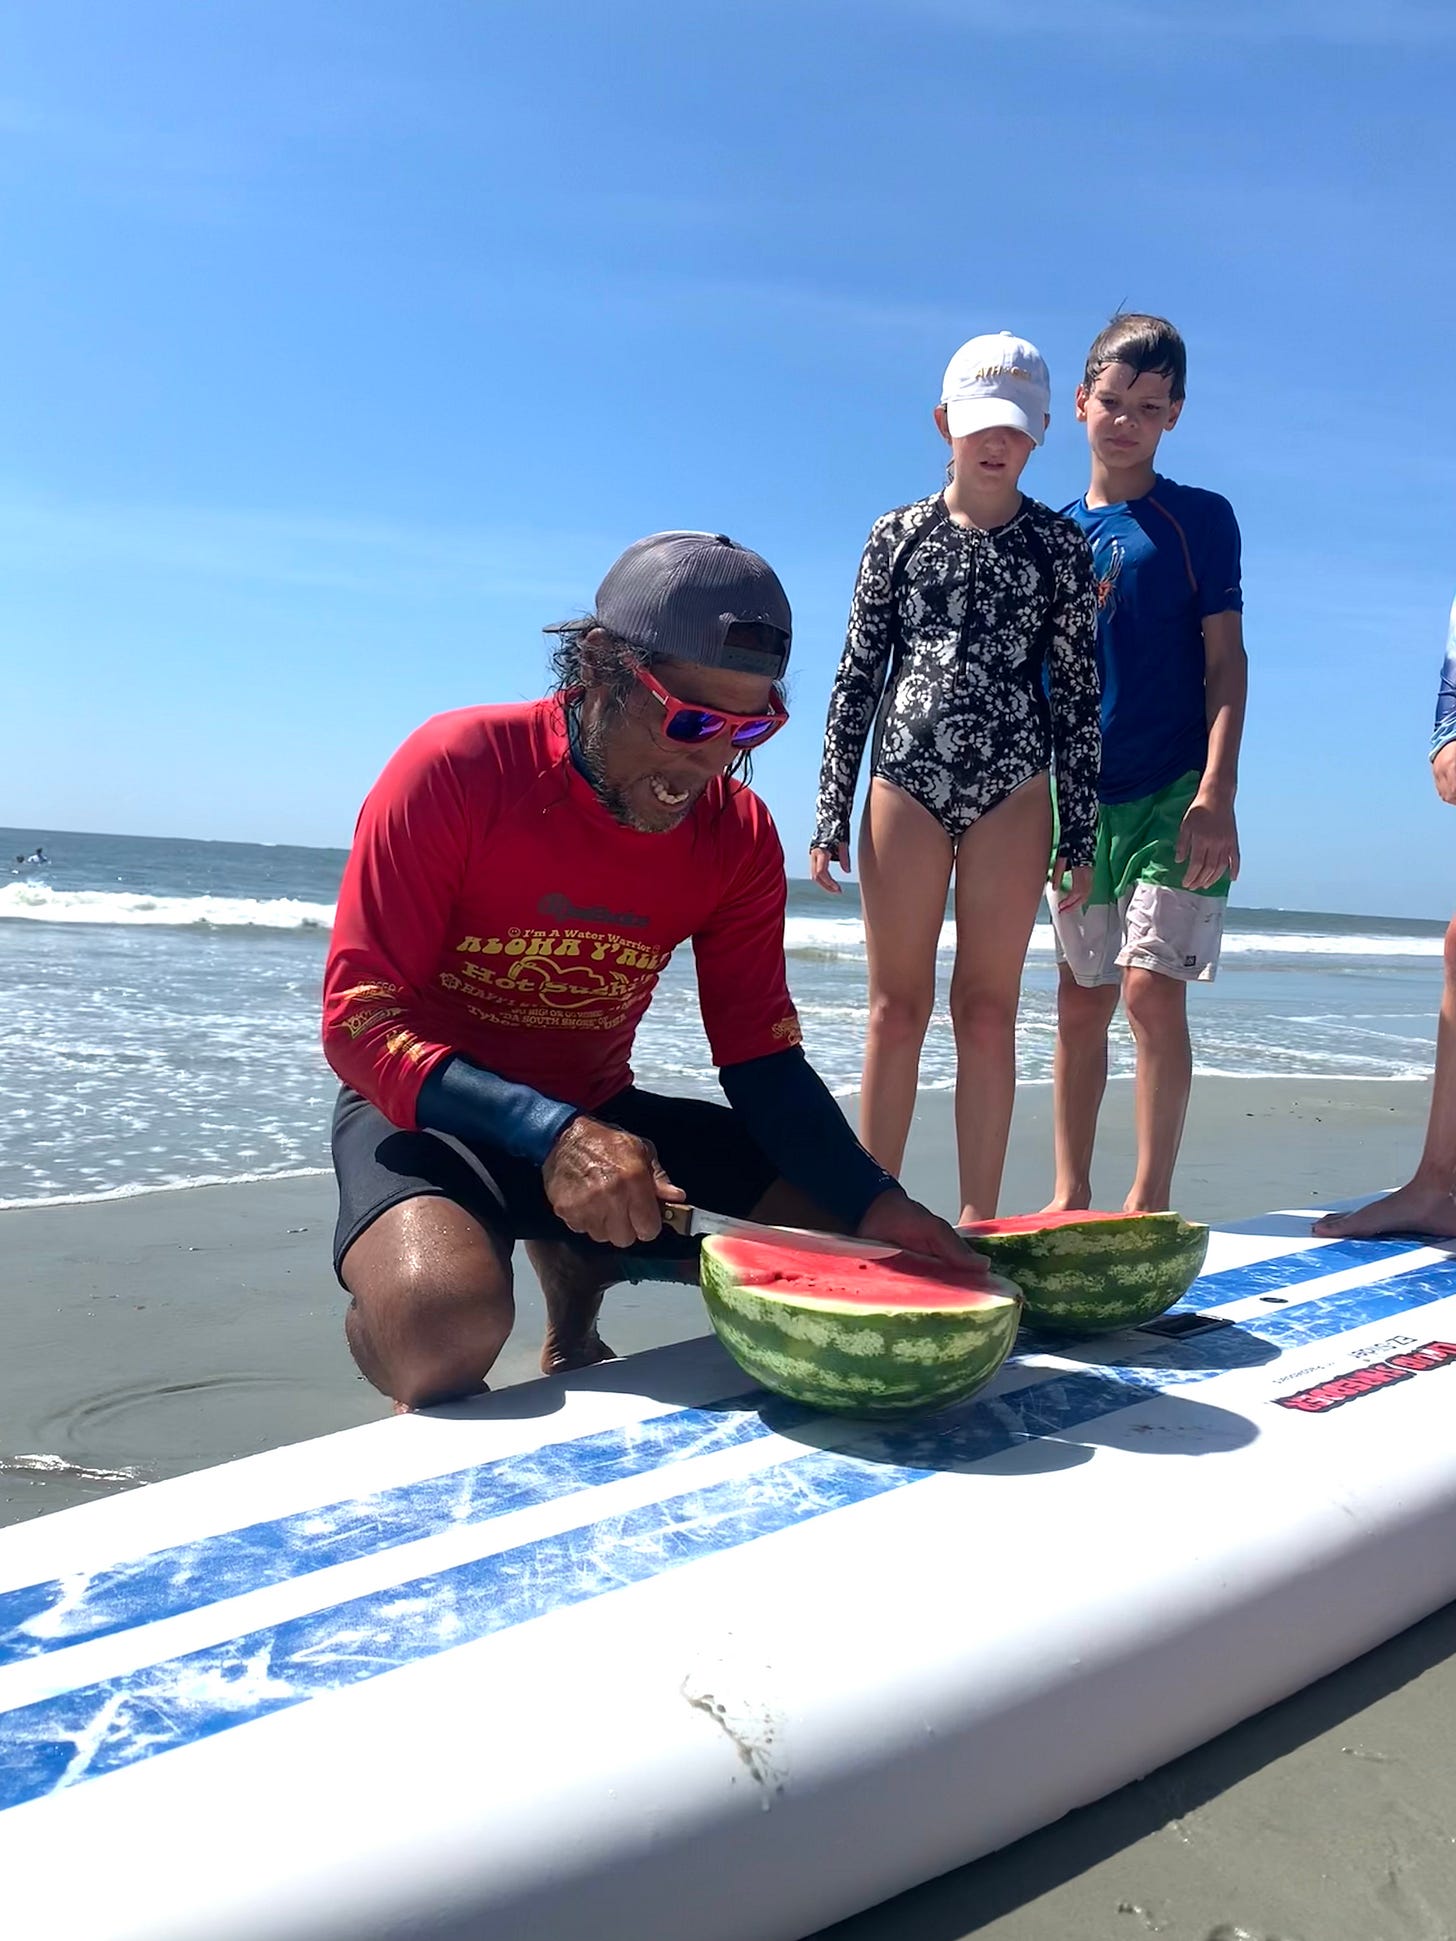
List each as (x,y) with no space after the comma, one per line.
(149,1336)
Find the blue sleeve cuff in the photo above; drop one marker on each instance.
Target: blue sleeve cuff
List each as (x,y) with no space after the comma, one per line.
(1445,732)
(471,1103)
(793,1116)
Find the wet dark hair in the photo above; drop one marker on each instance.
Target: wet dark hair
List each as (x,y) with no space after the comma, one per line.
(587,654)
(1149,346)
(606,662)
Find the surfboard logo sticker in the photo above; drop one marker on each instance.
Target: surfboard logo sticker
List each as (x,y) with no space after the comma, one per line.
(1369,1380)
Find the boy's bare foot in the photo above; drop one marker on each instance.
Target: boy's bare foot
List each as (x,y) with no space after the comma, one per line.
(1415,1208)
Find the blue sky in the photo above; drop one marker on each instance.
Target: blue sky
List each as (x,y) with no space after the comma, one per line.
(346,345)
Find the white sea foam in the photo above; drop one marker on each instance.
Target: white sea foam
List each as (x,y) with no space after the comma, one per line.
(844,937)
(1262,943)
(136,1188)
(38,903)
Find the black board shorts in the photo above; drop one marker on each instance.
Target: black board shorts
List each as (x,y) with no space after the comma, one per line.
(704,1148)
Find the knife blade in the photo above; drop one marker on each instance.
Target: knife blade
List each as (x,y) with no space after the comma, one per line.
(692,1222)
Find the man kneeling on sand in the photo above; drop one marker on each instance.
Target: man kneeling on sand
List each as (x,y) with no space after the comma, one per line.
(1427,1202)
(520,877)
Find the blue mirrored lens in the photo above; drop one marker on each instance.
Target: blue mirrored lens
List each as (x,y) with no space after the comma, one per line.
(694,724)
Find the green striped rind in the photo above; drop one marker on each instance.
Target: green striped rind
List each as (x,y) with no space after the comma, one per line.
(858,1360)
(1104,1275)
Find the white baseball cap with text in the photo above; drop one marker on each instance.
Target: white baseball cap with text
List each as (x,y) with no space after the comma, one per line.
(997,379)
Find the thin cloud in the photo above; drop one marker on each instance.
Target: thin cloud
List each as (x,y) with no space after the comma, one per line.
(302,550)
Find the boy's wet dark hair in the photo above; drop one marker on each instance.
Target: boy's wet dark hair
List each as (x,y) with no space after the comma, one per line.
(1146,345)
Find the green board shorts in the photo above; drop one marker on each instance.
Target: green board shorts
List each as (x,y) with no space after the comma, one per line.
(1139,916)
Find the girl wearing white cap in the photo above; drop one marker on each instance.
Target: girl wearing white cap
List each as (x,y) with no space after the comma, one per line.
(971,651)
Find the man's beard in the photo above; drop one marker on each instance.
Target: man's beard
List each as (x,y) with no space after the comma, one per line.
(591,741)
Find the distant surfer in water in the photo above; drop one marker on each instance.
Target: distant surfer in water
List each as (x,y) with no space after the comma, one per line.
(1427,1202)
(519,878)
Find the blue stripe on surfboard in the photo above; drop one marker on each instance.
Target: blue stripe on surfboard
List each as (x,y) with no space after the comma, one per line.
(51,1615)
(1289,1270)
(106,1726)
(187,1576)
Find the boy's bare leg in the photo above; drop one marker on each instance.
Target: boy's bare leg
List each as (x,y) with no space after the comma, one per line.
(1427,1202)
(904,870)
(1157,1011)
(1000,874)
(1078,1083)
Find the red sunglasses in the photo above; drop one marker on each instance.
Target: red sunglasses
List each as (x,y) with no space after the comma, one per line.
(687,722)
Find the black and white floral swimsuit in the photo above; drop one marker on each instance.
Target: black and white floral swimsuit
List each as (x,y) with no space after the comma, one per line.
(974,655)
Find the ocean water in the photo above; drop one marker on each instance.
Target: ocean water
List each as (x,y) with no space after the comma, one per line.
(160,1009)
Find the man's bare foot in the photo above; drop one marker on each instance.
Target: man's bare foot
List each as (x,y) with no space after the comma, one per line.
(573,1284)
(1415,1208)
(559,1358)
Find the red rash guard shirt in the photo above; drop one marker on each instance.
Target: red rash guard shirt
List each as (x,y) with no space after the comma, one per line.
(492,907)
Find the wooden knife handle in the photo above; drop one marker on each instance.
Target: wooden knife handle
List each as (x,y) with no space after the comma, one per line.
(676,1218)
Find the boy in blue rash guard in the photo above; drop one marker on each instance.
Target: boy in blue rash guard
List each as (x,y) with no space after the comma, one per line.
(1427,1202)
(1170,650)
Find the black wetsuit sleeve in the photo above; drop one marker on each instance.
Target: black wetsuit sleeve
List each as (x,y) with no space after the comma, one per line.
(1074,690)
(472,1103)
(858,686)
(791,1113)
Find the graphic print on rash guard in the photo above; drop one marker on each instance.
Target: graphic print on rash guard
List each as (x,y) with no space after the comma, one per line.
(977,651)
(491,906)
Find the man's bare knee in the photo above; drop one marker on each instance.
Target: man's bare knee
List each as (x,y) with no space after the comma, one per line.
(432,1302)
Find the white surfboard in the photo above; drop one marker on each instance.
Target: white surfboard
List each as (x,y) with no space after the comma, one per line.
(645,1654)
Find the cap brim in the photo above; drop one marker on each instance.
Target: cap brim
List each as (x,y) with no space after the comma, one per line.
(965,415)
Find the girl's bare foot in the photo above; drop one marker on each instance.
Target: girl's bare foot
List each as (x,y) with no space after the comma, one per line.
(1416,1208)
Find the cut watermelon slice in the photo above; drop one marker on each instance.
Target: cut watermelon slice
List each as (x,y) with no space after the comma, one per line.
(864,1337)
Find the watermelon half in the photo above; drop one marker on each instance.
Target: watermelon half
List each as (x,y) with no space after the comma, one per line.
(863,1337)
(1087,1273)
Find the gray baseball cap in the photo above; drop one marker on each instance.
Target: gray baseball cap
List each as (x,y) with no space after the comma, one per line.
(676,594)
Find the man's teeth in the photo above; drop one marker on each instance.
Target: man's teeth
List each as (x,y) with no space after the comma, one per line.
(666,796)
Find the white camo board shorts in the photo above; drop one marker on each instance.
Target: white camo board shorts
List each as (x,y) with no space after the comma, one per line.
(1175,932)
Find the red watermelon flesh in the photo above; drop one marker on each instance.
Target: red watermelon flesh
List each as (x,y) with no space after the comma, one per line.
(904,1280)
(1034,1222)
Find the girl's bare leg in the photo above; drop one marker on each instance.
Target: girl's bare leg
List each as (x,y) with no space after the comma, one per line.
(1000,877)
(904,871)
